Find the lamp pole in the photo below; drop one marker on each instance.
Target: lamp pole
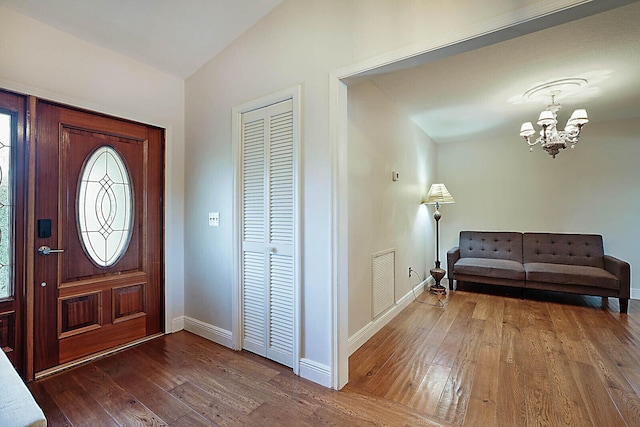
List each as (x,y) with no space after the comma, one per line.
(437,273)
(437,216)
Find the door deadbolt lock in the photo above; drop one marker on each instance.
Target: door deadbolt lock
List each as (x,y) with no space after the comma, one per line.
(46,250)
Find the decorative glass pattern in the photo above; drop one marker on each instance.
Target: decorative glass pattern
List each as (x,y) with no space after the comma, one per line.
(6,222)
(105,207)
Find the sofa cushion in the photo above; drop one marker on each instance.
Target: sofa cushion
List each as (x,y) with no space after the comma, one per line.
(567,249)
(571,275)
(496,268)
(491,244)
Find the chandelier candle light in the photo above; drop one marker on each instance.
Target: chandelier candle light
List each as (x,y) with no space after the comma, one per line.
(551,139)
(438,194)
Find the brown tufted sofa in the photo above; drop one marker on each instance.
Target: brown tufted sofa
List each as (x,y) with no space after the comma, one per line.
(573,263)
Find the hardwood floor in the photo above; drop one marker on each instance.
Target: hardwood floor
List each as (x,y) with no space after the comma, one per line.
(481,360)
(485,360)
(185,380)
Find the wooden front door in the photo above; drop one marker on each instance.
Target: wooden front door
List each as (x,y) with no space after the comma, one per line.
(98,224)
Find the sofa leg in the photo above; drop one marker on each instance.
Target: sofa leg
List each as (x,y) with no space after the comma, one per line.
(624,305)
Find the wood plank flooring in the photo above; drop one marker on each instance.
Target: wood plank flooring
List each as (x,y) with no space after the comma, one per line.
(185,380)
(480,360)
(497,360)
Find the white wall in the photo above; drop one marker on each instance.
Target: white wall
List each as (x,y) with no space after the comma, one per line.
(301,42)
(384,214)
(595,188)
(39,60)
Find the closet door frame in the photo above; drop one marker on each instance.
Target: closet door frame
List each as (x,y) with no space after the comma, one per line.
(293,94)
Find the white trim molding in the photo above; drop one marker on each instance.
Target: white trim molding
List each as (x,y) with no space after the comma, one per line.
(338,127)
(210,332)
(177,324)
(370,329)
(316,372)
(635,293)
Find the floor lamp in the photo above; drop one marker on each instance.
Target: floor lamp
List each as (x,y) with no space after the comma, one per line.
(438,195)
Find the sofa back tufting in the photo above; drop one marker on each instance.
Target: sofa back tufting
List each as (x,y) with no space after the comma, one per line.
(495,245)
(572,249)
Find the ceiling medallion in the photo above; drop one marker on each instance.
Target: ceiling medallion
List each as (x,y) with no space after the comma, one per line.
(552,139)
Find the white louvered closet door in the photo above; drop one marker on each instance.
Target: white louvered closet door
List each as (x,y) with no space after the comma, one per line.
(268,231)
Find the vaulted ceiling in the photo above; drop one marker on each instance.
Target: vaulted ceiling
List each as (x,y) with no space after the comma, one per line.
(176,36)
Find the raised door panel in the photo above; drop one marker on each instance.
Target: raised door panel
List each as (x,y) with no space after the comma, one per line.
(78,147)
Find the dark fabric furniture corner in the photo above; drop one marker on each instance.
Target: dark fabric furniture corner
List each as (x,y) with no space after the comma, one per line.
(573,263)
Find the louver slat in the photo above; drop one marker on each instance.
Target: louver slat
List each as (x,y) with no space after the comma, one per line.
(253,298)
(281,178)
(281,309)
(383,281)
(253,181)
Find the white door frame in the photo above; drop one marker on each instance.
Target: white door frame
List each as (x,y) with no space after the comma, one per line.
(293,93)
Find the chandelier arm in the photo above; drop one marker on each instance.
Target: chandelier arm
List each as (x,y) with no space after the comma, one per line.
(572,138)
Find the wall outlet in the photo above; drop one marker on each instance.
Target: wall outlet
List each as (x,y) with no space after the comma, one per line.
(214,219)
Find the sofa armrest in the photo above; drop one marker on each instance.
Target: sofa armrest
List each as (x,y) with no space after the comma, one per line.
(453,255)
(622,270)
(18,408)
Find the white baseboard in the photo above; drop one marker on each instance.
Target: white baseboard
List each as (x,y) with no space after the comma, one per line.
(635,293)
(210,332)
(370,329)
(316,372)
(309,369)
(177,324)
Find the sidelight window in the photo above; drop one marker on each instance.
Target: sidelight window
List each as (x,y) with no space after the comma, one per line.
(6,196)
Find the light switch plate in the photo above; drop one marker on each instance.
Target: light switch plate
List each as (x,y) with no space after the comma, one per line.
(214,219)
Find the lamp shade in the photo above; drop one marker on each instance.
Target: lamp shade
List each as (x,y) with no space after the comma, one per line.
(527,129)
(438,193)
(546,118)
(579,117)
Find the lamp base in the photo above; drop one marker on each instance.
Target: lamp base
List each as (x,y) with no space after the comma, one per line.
(437,274)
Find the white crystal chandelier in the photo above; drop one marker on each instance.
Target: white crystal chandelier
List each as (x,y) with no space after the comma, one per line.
(552,139)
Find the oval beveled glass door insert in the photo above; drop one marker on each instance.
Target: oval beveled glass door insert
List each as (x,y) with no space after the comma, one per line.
(105,206)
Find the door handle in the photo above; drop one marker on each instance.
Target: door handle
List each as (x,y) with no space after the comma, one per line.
(46,250)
